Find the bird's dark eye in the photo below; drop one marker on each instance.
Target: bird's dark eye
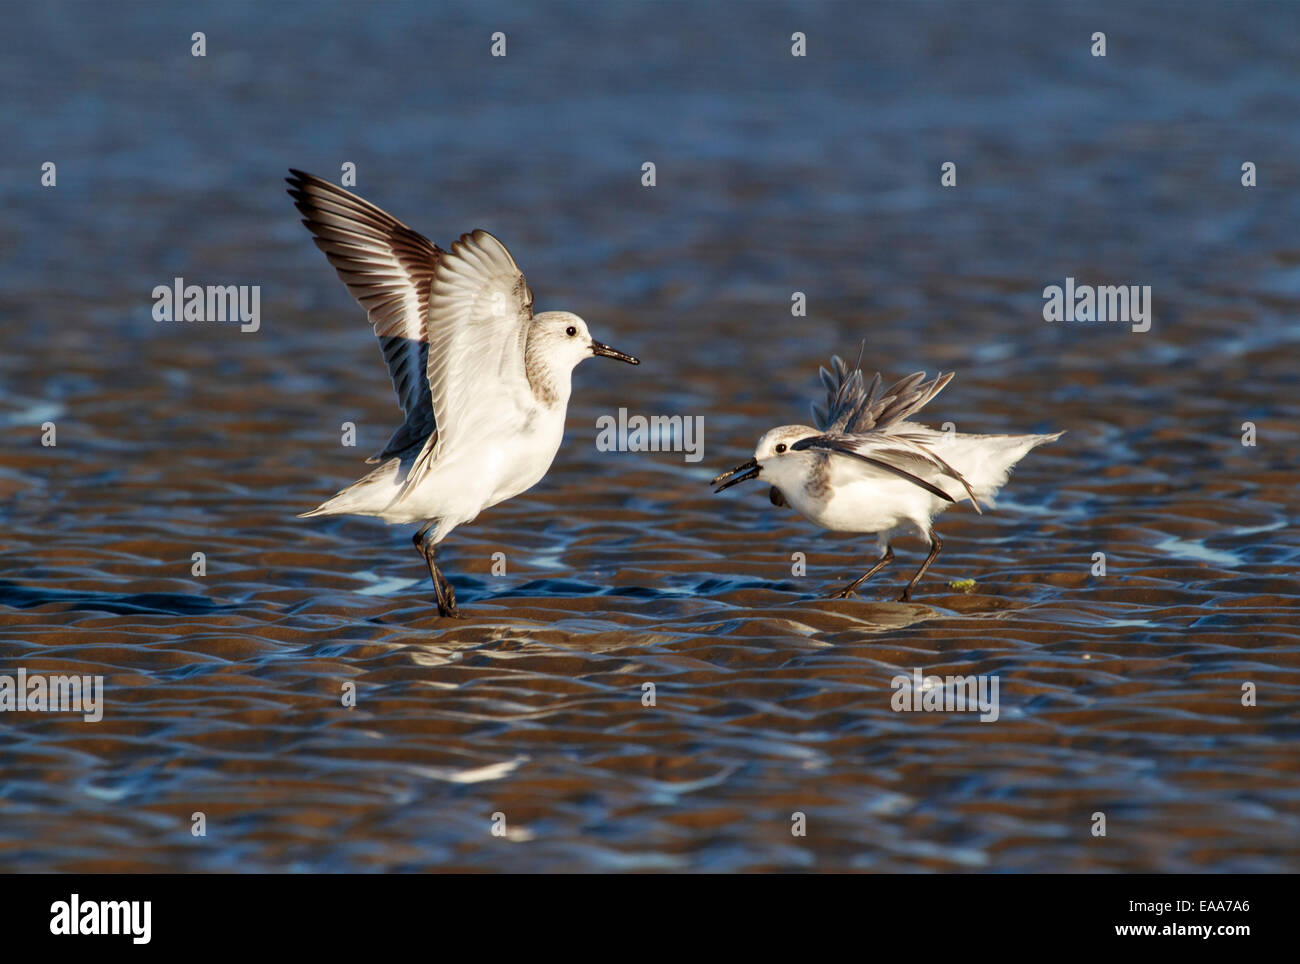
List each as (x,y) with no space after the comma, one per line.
(780,448)
(570,331)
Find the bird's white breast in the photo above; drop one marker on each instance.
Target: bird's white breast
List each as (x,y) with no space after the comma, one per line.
(513,464)
(849,498)
(489,468)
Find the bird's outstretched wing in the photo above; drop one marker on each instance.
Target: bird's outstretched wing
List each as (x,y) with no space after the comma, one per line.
(861,421)
(389,269)
(451,324)
(480,308)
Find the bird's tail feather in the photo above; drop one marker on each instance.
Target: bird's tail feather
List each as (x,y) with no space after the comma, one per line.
(367,496)
(988,466)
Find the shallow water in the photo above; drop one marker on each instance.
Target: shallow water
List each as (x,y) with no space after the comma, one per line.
(1119,693)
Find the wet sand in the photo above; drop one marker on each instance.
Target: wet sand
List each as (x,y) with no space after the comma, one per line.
(1119,693)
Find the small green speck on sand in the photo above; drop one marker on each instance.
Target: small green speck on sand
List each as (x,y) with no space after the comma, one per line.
(962,585)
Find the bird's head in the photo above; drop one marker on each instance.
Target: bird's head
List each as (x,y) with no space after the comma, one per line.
(775,459)
(564,341)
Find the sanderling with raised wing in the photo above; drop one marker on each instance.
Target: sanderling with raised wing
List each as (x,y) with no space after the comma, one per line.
(866,468)
(484,383)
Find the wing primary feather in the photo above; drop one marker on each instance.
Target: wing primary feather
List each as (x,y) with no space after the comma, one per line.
(388,269)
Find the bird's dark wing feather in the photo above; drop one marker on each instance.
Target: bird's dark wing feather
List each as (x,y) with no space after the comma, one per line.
(389,269)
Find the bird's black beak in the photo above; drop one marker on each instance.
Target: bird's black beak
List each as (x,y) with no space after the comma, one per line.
(604,350)
(741,473)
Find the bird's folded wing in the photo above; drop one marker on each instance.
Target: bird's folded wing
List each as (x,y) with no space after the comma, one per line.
(479,310)
(388,268)
(906,456)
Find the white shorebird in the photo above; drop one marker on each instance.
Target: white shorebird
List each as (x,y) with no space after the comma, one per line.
(483,383)
(865,468)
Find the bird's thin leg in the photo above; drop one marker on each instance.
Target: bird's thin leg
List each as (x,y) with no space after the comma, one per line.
(447,606)
(935,545)
(445,595)
(848,590)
